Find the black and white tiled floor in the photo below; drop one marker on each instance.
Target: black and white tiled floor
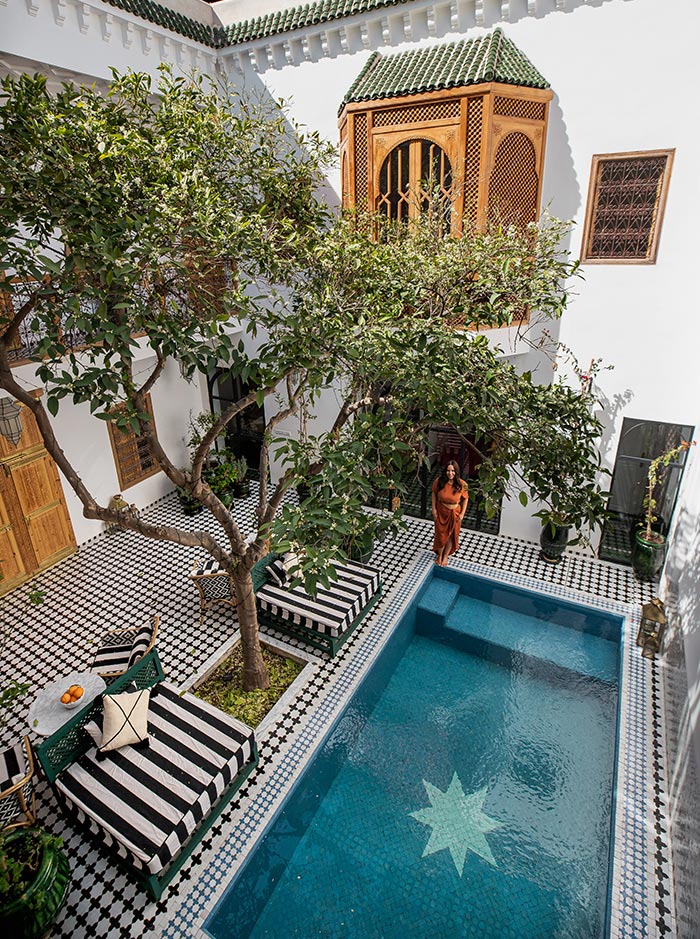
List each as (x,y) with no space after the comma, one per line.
(117,579)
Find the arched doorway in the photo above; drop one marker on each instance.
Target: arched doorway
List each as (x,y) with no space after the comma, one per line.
(245,433)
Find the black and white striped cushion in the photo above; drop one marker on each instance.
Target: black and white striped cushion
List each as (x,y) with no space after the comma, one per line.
(146,803)
(334,609)
(141,642)
(13,768)
(277,572)
(111,659)
(115,658)
(207,566)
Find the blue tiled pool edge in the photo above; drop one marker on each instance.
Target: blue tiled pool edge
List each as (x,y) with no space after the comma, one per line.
(633,888)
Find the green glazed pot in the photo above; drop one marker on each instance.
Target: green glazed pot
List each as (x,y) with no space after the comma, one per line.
(554,545)
(33,914)
(647,557)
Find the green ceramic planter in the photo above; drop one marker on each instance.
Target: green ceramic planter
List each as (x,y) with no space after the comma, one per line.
(34,913)
(647,557)
(553,544)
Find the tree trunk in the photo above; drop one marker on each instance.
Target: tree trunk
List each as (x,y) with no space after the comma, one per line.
(254,670)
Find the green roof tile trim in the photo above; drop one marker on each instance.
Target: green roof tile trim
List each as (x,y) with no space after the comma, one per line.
(163,16)
(491,58)
(310,14)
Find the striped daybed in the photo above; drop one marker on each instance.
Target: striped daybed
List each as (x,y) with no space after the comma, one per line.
(326,620)
(151,806)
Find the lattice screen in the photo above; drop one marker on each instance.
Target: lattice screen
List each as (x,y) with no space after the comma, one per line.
(513,183)
(361,160)
(131,454)
(517,107)
(473,158)
(625,209)
(440,111)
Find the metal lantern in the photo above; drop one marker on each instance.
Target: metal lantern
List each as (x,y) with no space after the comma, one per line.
(651,628)
(10,420)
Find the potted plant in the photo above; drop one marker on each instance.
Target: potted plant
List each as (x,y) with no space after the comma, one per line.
(222,477)
(577,507)
(241,488)
(188,503)
(649,547)
(34,877)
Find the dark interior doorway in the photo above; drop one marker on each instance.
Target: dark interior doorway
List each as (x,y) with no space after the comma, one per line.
(245,433)
(442,444)
(640,443)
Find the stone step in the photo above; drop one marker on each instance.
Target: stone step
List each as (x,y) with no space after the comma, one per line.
(436,602)
(506,636)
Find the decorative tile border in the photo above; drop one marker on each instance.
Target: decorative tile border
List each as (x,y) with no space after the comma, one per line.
(634,894)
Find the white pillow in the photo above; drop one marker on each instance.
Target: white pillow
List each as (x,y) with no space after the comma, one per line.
(125,719)
(291,562)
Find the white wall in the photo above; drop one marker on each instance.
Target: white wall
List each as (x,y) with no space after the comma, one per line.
(608,66)
(85,441)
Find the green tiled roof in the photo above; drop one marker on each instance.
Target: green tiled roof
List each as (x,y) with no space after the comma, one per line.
(491,58)
(310,14)
(170,19)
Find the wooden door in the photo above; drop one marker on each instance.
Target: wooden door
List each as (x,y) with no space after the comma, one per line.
(42,504)
(35,527)
(12,563)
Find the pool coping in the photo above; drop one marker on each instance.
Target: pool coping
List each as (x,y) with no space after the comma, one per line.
(633,891)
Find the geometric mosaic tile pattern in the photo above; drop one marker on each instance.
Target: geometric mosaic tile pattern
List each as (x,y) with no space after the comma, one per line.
(116,580)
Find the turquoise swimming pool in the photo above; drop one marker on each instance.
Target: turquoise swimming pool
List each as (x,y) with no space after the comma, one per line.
(466,789)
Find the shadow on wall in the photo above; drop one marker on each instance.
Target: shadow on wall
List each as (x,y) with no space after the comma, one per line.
(252,85)
(387,27)
(612,408)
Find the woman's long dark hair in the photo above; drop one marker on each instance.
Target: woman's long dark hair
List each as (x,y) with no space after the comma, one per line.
(456,482)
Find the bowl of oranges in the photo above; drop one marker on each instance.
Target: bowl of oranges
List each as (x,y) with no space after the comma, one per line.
(73,696)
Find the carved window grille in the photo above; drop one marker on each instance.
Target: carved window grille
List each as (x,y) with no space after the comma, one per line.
(31,330)
(626,200)
(440,111)
(132,457)
(473,158)
(361,160)
(513,187)
(519,107)
(415,176)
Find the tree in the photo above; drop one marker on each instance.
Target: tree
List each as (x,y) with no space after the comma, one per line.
(161,217)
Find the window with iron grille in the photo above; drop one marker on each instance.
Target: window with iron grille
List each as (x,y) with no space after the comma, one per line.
(626,200)
(131,455)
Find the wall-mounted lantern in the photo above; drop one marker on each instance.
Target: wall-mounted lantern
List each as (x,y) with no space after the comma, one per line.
(10,420)
(651,628)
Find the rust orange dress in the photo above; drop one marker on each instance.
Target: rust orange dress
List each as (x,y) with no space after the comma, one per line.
(449,506)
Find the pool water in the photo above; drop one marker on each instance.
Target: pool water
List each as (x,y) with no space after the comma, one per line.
(465,791)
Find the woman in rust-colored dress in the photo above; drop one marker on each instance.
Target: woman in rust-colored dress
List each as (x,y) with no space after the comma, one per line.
(450,498)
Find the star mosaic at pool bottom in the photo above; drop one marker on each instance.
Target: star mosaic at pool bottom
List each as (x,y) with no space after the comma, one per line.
(458,823)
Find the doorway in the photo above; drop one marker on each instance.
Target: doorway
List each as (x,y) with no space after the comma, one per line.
(245,434)
(640,443)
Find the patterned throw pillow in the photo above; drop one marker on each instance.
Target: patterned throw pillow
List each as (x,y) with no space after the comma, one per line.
(277,573)
(125,721)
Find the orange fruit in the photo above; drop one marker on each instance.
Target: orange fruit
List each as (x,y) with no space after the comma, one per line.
(65,698)
(73,689)
(78,692)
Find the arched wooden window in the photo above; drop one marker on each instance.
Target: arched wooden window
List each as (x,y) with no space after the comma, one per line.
(415,174)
